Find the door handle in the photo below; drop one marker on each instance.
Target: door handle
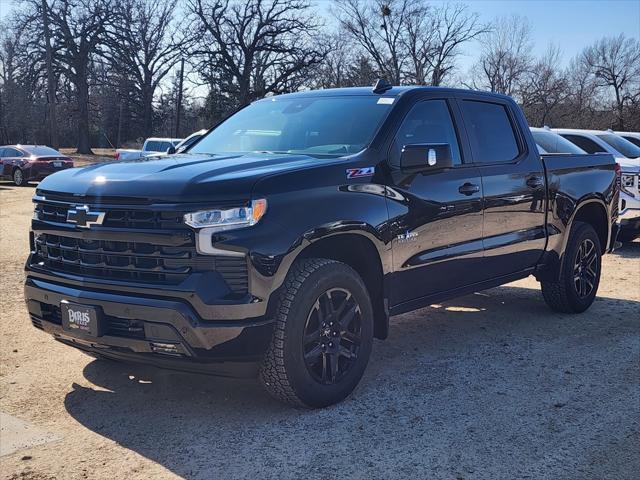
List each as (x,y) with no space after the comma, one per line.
(468,189)
(534,182)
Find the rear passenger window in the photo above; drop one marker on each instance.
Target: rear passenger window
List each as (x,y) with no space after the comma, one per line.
(427,122)
(585,143)
(490,132)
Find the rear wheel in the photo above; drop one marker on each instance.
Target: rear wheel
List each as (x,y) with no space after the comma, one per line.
(322,337)
(18,178)
(578,284)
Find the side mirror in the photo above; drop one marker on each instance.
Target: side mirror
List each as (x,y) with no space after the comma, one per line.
(171,150)
(426,156)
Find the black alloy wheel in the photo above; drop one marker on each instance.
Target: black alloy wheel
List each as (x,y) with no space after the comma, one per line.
(332,336)
(585,268)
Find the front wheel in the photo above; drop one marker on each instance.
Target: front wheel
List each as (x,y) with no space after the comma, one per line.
(580,276)
(322,337)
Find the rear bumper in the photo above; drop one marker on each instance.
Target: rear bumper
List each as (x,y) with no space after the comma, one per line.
(166,332)
(35,171)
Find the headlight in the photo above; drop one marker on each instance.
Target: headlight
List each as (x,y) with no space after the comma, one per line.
(628,183)
(227,219)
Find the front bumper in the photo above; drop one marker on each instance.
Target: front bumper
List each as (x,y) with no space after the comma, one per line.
(166,332)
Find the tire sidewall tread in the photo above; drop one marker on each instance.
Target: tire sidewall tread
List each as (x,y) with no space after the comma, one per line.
(283,372)
(561,295)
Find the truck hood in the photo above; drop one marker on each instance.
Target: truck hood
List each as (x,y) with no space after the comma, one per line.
(176,178)
(629,165)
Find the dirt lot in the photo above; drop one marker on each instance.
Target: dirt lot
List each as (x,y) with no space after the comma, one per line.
(99,155)
(492,385)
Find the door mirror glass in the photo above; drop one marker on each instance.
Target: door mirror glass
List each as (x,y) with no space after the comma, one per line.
(426,156)
(171,150)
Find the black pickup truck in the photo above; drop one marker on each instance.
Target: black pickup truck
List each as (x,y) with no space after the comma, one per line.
(280,244)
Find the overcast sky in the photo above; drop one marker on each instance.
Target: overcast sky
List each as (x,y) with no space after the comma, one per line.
(570,24)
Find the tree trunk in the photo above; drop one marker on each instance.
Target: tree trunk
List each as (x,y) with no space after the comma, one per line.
(51,86)
(147,112)
(619,109)
(84,142)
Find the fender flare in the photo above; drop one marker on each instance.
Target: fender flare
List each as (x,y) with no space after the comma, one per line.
(571,220)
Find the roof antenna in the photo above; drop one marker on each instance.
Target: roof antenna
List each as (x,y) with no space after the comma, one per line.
(381,86)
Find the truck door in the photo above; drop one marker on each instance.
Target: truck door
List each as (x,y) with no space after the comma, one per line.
(513,182)
(435,216)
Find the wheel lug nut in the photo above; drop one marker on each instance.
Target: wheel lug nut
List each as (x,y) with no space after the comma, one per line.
(331,344)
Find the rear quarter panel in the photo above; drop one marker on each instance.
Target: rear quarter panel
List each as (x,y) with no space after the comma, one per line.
(574,181)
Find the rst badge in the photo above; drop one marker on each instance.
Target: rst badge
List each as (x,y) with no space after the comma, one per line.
(360,172)
(407,237)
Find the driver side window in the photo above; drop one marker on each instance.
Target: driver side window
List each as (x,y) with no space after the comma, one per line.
(428,122)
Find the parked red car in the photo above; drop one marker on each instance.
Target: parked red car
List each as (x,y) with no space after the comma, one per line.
(24,163)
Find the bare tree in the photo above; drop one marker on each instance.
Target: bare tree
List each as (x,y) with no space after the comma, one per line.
(22,89)
(419,42)
(582,104)
(379,27)
(544,88)
(252,48)
(505,57)
(78,29)
(409,40)
(144,46)
(454,25)
(615,63)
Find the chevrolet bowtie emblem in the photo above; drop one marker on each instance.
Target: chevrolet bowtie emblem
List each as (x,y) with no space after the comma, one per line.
(82,217)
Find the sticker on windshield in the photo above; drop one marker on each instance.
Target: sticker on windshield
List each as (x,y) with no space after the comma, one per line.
(360,172)
(385,101)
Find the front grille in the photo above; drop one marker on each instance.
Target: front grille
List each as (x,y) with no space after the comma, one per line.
(169,259)
(117,218)
(135,261)
(631,184)
(129,261)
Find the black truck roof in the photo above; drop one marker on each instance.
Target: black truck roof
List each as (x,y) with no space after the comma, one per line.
(394,91)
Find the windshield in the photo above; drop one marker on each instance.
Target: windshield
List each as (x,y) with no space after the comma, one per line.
(554,143)
(625,147)
(316,126)
(41,151)
(634,140)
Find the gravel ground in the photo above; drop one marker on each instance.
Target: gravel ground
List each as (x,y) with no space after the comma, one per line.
(492,385)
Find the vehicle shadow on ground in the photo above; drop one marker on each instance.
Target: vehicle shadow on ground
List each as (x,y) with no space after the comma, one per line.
(629,250)
(453,386)
(11,186)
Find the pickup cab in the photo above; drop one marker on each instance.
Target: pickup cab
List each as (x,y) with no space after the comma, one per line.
(151,146)
(282,242)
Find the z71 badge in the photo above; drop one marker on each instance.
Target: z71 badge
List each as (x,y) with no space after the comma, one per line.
(360,172)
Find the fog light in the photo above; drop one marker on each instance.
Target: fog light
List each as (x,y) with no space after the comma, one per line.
(165,348)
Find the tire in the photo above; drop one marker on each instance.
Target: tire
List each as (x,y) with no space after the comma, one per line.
(297,368)
(18,178)
(576,289)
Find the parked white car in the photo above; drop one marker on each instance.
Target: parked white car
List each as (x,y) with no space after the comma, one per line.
(151,145)
(548,141)
(184,144)
(633,137)
(627,155)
